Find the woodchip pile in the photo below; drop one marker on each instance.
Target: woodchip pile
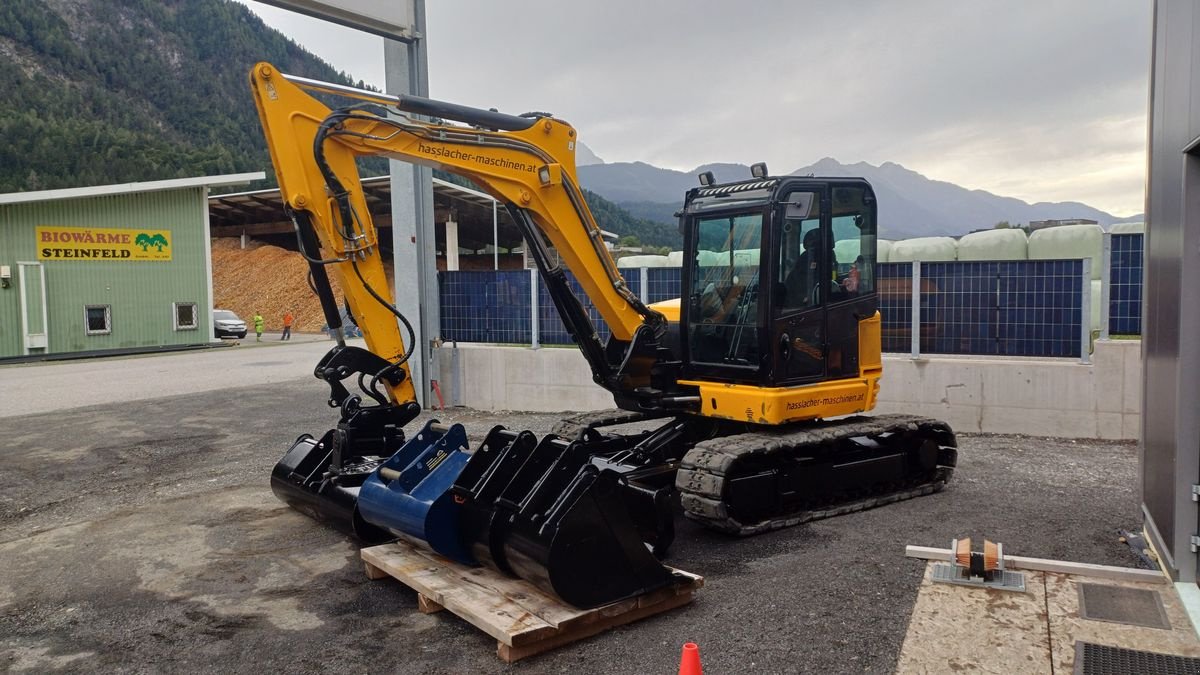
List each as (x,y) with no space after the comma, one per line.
(267,279)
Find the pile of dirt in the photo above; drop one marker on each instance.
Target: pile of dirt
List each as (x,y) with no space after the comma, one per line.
(269,280)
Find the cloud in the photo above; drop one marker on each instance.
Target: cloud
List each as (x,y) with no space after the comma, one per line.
(1042,101)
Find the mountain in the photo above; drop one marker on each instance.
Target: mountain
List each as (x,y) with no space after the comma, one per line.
(613,218)
(910,205)
(109,91)
(113,91)
(585,157)
(640,182)
(116,91)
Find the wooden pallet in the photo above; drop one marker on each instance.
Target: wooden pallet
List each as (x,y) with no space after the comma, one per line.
(524,620)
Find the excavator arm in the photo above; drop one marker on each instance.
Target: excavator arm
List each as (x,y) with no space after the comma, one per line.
(525,162)
(580,521)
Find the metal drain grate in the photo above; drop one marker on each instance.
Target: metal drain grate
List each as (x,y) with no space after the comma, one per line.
(1092,659)
(1007,580)
(1132,606)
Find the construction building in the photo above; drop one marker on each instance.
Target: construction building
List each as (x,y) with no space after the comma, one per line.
(107,269)
(472,231)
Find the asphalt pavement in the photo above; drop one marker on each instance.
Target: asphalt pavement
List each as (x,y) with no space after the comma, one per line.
(62,385)
(139,534)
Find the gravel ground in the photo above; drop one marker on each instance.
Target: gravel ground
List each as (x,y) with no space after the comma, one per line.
(142,537)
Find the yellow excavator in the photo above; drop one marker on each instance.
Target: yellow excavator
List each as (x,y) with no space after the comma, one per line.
(747,387)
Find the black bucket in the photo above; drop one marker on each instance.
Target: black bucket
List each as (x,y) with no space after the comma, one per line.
(548,515)
(302,480)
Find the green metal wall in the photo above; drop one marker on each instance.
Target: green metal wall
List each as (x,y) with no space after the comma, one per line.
(140,293)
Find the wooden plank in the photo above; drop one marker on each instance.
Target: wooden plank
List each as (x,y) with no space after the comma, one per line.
(373,572)
(427,606)
(508,654)
(503,621)
(549,609)
(1044,565)
(523,619)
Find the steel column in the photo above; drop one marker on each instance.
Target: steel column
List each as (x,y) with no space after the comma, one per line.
(916,310)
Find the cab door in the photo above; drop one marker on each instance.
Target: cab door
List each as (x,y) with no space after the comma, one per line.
(798,330)
(851,259)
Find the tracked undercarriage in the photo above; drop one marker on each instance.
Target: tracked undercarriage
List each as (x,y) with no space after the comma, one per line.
(746,481)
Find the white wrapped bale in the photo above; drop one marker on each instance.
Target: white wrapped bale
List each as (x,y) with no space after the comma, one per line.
(675,259)
(846,251)
(994,245)
(1068,242)
(1127,228)
(925,249)
(883,250)
(632,261)
(713,258)
(747,257)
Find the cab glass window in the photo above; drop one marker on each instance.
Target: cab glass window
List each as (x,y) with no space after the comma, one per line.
(724,293)
(854,242)
(800,252)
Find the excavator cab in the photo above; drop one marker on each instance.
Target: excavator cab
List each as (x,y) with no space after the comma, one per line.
(779,274)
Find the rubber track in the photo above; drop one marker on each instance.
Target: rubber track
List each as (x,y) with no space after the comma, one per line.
(574,427)
(702,473)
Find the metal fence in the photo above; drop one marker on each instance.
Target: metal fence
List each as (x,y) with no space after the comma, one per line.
(1010,308)
(486,306)
(1005,308)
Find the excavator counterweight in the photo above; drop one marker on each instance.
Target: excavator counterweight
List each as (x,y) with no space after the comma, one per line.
(747,392)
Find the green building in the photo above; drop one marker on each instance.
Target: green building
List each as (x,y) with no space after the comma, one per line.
(111,268)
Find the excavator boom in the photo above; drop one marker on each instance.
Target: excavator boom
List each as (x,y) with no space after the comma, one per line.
(555,512)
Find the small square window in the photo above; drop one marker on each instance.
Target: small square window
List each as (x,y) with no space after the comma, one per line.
(186,316)
(98,319)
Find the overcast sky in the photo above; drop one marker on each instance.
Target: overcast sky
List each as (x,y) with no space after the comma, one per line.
(1036,99)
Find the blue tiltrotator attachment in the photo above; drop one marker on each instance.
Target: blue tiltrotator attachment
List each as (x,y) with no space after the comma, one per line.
(409,493)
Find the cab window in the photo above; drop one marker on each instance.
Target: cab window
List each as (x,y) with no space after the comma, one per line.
(724,293)
(854,242)
(800,252)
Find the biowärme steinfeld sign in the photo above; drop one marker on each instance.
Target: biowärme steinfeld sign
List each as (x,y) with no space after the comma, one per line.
(93,243)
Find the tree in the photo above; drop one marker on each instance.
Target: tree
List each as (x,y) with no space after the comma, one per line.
(158,241)
(1002,225)
(629,241)
(143,240)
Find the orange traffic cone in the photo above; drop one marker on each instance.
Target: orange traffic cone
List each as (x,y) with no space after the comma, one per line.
(689,661)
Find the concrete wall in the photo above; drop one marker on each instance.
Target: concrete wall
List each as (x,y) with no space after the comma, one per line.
(1045,397)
